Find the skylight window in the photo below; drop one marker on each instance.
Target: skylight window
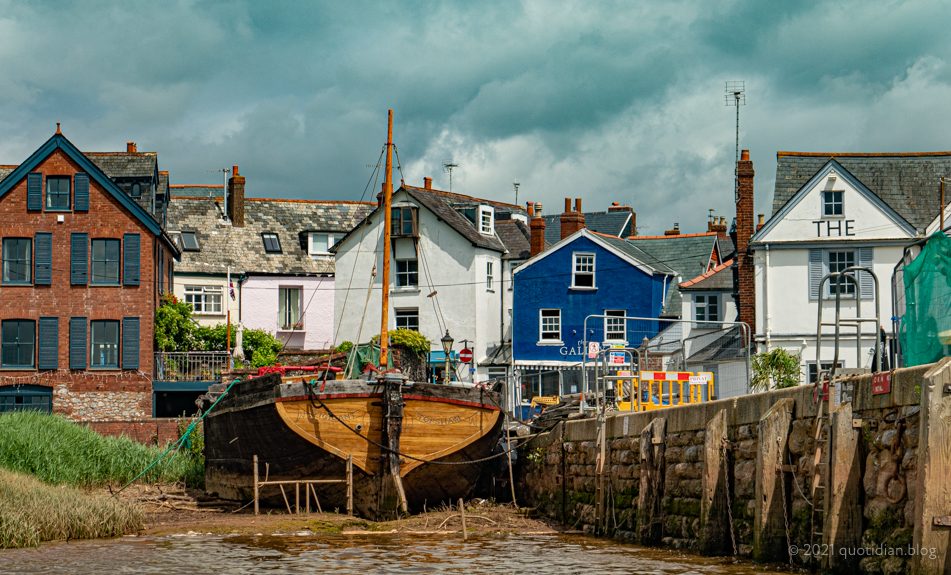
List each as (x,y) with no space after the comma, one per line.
(272,244)
(190,242)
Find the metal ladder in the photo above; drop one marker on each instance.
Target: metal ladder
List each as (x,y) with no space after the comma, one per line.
(825,380)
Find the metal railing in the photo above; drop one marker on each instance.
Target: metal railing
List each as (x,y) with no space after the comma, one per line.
(191,365)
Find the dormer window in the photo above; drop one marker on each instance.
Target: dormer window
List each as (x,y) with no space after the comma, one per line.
(486,220)
(319,243)
(404,222)
(272,244)
(189,242)
(136,190)
(832,205)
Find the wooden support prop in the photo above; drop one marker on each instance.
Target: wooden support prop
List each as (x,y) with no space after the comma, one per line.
(297,498)
(842,528)
(715,537)
(256,488)
(650,498)
(316,501)
(392,494)
(307,488)
(289,512)
(769,531)
(933,490)
(349,487)
(462,512)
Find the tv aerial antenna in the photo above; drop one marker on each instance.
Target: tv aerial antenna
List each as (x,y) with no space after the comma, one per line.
(516,184)
(224,186)
(736,96)
(449,166)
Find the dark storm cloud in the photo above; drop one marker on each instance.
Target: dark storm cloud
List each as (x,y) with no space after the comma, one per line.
(612,101)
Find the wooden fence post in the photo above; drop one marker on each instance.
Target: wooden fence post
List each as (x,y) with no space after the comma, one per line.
(769,531)
(650,497)
(933,490)
(842,528)
(715,536)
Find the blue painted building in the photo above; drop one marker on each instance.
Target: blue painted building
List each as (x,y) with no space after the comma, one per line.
(582,275)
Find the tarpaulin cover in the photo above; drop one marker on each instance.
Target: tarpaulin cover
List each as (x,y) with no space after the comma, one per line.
(360,355)
(926,325)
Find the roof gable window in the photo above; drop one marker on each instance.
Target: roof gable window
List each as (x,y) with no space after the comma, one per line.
(582,270)
(404,222)
(272,244)
(57,193)
(832,203)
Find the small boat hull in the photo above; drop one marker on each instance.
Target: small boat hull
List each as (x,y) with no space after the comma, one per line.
(299,432)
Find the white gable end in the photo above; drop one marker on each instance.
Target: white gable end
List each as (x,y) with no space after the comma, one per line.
(834,207)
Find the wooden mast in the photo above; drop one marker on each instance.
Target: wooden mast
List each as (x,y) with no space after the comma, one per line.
(387,222)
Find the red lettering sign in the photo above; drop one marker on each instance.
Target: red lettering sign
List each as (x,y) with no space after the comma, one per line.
(882,383)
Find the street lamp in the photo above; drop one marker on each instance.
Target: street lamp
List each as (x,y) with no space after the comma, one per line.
(447,349)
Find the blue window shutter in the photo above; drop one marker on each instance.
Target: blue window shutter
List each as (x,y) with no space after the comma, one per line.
(77,343)
(131,246)
(130,343)
(866,283)
(43,259)
(79,260)
(48,343)
(34,191)
(815,273)
(82,192)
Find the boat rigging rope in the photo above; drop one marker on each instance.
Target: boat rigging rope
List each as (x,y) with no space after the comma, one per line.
(181,440)
(313,396)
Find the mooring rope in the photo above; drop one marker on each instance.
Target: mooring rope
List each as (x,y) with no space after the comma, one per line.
(313,396)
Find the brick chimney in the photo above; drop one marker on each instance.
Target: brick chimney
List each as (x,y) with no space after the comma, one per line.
(743,288)
(130,147)
(571,221)
(673,232)
(718,225)
(236,198)
(428,183)
(537,226)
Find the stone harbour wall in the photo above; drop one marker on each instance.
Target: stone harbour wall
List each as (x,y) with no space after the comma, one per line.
(739,473)
(87,406)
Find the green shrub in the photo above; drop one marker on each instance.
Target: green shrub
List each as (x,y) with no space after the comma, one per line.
(215,338)
(261,346)
(777,369)
(410,339)
(343,347)
(56,450)
(174,327)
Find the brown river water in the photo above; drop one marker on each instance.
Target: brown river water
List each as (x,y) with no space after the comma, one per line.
(365,555)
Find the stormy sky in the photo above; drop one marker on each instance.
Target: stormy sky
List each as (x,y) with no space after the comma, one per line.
(608,101)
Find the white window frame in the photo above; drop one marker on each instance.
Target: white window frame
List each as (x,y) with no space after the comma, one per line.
(485,220)
(489,276)
(613,315)
(403,313)
(311,240)
(849,285)
(822,196)
(286,324)
(407,274)
(206,295)
(575,273)
(541,326)
(707,299)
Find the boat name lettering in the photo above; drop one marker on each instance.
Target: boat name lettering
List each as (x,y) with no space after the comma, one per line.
(344,416)
(436,421)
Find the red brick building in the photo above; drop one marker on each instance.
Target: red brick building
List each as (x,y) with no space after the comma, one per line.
(85,260)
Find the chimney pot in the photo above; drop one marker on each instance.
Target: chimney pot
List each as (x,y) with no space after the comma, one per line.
(745,156)
(578,205)
(531,209)
(567,204)
(615,204)
(428,183)
(538,209)
(761,222)
(673,232)
(571,221)
(234,170)
(130,147)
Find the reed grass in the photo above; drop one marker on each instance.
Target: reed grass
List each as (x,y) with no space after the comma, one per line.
(58,451)
(32,511)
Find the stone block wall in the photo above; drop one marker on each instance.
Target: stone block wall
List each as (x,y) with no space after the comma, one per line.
(557,473)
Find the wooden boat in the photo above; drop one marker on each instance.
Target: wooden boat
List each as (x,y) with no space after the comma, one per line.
(289,426)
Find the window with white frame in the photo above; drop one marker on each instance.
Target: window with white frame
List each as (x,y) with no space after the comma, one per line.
(320,243)
(288,309)
(582,270)
(837,262)
(486,220)
(489,270)
(706,307)
(407,319)
(550,324)
(205,300)
(615,326)
(832,203)
(407,273)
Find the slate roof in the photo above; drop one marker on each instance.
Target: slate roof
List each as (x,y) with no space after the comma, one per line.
(616,224)
(199,191)
(6,171)
(516,237)
(125,164)
(719,278)
(636,252)
(243,248)
(686,254)
(908,183)
(442,204)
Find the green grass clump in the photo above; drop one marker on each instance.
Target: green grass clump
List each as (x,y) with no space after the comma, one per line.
(58,451)
(32,511)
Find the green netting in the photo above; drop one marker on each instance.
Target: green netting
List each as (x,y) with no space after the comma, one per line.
(926,325)
(360,355)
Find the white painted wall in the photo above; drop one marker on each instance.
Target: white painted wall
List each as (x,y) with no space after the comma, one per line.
(458,273)
(182,280)
(259,309)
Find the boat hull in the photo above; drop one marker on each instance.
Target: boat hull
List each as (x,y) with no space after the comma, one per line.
(299,434)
